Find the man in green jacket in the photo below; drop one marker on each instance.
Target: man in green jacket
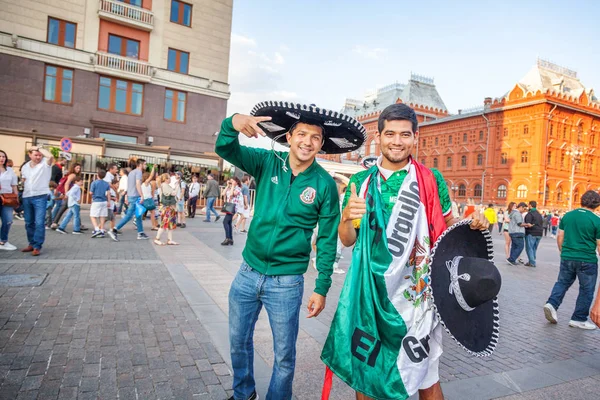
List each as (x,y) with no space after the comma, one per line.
(293,194)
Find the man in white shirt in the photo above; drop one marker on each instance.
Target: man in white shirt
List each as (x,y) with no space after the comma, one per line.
(111,171)
(36,175)
(193,192)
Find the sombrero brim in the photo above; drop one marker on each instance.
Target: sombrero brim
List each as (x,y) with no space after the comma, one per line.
(343,133)
(476,331)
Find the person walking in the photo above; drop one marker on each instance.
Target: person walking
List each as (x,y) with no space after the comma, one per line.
(244,211)
(545,222)
(578,241)
(533,233)
(500,220)
(100,190)
(74,208)
(168,215)
(36,174)
(490,214)
(194,191)
(179,185)
(8,186)
(148,194)
(60,205)
(111,179)
(554,220)
(134,191)
(122,190)
(211,192)
(57,170)
(516,230)
(233,195)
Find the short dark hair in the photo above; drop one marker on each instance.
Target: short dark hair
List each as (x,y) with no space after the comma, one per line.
(246,178)
(490,205)
(111,166)
(139,162)
(78,178)
(101,173)
(293,128)
(590,199)
(533,204)
(522,204)
(398,112)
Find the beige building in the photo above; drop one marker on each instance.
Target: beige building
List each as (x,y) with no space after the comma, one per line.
(152,74)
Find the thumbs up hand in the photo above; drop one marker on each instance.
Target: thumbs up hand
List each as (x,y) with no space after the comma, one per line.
(356,207)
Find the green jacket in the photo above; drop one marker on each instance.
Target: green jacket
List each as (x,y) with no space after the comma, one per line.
(286,212)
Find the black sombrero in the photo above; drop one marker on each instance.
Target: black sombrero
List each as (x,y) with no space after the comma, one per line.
(343,133)
(465,284)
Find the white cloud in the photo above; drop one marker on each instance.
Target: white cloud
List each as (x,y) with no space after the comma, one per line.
(283,47)
(241,40)
(279,58)
(375,53)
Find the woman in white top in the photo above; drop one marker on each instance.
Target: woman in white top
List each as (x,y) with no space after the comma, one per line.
(148,192)
(8,184)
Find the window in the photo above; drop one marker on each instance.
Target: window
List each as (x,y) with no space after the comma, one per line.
(504,158)
(591,165)
(58,85)
(501,193)
(564,132)
(576,196)
(121,96)
(424,142)
(137,3)
(463,161)
(505,132)
(562,159)
(479,159)
(464,138)
(175,105)
(477,191)
(436,141)
(61,32)
(559,193)
(118,138)
(524,156)
(592,138)
(521,192)
(480,135)
(580,133)
(549,161)
(178,61)
(449,139)
(435,162)
(462,190)
(525,129)
(181,13)
(449,162)
(123,46)
(551,129)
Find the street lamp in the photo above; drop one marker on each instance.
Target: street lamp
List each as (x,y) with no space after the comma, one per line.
(454,189)
(575,152)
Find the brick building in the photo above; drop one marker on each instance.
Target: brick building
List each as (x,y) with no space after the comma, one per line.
(537,142)
(141,72)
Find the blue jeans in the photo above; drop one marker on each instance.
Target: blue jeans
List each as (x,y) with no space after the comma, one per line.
(586,273)
(282,298)
(121,204)
(6,215)
(72,213)
(35,213)
(531,246)
(57,204)
(130,214)
(517,242)
(210,207)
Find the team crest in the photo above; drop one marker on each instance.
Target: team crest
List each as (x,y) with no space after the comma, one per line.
(308,195)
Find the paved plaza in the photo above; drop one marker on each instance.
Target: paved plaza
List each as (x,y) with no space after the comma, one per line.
(132,320)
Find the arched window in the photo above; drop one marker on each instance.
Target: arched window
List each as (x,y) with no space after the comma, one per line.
(463,161)
(576,198)
(449,162)
(549,157)
(477,191)
(501,192)
(464,138)
(462,190)
(521,192)
(562,159)
(424,142)
(435,162)
(480,135)
(436,141)
(450,139)
(525,129)
(504,158)
(372,147)
(580,132)
(559,194)
(524,156)
(479,159)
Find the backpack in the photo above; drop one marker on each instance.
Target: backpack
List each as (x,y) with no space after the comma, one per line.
(186,192)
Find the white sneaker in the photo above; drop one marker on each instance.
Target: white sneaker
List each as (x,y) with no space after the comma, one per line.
(550,313)
(7,246)
(588,325)
(338,270)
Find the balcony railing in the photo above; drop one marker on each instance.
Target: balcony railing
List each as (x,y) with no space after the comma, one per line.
(123,64)
(126,13)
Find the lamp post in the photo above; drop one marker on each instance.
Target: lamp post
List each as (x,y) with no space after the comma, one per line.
(575,152)
(454,189)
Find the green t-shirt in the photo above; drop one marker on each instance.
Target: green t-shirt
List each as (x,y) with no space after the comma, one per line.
(582,231)
(391,186)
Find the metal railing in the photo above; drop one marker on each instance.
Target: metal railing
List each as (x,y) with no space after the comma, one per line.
(128,11)
(123,64)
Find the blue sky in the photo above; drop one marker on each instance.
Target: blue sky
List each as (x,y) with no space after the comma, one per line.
(325,51)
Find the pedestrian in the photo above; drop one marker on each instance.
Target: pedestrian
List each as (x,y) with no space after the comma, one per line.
(500,219)
(545,222)
(74,208)
(57,170)
(516,230)
(36,173)
(179,185)
(60,205)
(388,286)
(134,191)
(295,194)
(554,224)
(149,193)
(112,180)
(168,214)
(533,232)
(578,242)
(100,190)
(122,190)
(469,208)
(211,192)
(490,214)
(194,191)
(244,212)
(231,195)
(53,195)
(9,199)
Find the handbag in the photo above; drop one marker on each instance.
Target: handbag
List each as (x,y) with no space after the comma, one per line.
(228,208)
(139,210)
(149,204)
(9,200)
(595,310)
(168,200)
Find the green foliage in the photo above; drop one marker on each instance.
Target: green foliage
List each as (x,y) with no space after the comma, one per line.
(55,151)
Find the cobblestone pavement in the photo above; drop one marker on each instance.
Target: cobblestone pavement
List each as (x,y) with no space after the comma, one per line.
(109,322)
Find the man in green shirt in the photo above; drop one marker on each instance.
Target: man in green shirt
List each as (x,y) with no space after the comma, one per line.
(293,194)
(578,240)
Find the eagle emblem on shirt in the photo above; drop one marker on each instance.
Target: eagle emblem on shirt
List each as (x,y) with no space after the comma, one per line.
(308,195)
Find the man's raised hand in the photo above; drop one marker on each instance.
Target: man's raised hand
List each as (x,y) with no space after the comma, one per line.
(248,125)
(356,207)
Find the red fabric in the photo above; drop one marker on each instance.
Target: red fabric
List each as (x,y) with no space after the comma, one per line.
(469,210)
(61,184)
(327,384)
(428,192)
(554,221)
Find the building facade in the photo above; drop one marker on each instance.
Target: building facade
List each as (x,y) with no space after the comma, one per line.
(145,72)
(538,142)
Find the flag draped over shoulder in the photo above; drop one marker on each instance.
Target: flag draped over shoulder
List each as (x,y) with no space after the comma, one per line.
(385,297)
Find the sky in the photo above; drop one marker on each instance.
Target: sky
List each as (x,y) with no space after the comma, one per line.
(325,51)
